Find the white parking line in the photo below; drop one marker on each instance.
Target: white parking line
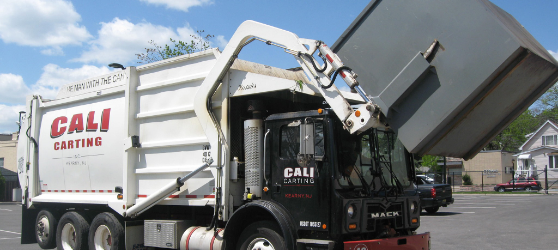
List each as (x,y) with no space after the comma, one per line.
(9,232)
(6,209)
(474,207)
(10,238)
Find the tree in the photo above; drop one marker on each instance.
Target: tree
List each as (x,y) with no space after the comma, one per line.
(431,161)
(467,180)
(156,53)
(512,137)
(549,99)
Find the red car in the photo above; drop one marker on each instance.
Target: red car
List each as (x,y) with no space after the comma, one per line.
(526,184)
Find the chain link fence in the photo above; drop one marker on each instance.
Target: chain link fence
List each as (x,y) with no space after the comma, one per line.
(487,180)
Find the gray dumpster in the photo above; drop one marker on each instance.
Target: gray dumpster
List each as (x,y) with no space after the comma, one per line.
(483,69)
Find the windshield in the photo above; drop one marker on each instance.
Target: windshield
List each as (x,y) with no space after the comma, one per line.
(375,159)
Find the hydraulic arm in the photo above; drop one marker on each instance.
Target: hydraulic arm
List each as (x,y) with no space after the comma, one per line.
(355,121)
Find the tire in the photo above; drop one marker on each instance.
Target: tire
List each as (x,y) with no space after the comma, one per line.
(432,210)
(263,235)
(45,229)
(501,189)
(528,189)
(72,232)
(106,233)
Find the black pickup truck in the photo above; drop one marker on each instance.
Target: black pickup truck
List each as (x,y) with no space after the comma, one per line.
(433,196)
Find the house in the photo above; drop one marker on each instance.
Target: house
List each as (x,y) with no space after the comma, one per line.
(539,151)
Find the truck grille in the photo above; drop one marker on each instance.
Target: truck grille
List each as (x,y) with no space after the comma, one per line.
(379,216)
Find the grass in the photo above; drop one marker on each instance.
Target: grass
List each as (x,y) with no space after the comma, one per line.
(494,192)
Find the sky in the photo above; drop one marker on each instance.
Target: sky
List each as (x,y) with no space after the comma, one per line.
(45,44)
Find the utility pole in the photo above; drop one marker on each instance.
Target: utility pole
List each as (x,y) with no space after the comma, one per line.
(546,179)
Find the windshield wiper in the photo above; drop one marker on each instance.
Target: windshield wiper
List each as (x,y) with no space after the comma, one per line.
(365,185)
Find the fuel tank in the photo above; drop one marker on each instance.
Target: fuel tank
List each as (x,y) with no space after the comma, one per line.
(448,75)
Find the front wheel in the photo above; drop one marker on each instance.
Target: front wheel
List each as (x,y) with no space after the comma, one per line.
(432,210)
(106,233)
(528,189)
(261,235)
(72,232)
(501,189)
(45,229)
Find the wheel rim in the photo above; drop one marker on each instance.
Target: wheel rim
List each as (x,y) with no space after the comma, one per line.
(500,190)
(68,237)
(43,227)
(527,189)
(103,238)
(260,244)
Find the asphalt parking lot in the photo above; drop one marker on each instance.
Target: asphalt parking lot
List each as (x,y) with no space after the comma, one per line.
(473,222)
(488,222)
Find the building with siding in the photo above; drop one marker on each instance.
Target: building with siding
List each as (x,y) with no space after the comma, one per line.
(539,151)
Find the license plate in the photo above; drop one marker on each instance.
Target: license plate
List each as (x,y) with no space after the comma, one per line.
(444,201)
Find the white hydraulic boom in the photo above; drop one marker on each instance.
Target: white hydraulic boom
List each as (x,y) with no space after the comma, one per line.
(355,121)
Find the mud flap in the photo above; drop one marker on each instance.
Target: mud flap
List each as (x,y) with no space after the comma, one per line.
(28,218)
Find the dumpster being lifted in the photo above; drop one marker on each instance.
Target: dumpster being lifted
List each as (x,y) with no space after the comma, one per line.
(448,75)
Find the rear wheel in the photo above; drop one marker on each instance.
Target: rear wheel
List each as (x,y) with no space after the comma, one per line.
(528,189)
(106,233)
(72,232)
(501,189)
(432,210)
(262,235)
(45,229)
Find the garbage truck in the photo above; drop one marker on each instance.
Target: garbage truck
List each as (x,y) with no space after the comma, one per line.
(208,151)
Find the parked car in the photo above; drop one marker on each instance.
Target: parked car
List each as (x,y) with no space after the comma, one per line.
(433,196)
(430,179)
(526,184)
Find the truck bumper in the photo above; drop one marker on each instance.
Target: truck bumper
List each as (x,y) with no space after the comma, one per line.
(413,242)
(429,202)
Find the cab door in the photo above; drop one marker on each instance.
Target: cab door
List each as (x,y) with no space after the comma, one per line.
(299,181)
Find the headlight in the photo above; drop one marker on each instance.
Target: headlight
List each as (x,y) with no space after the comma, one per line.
(351,211)
(414,207)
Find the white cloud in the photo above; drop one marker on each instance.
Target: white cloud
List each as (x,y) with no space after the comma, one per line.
(120,40)
(182,5)
(53,51)
(9,115)
(554,54)
(12,89)
(41,23)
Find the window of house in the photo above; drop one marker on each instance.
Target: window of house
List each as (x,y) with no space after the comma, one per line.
(553,161)
(508,170)
(1,162)
(550,140)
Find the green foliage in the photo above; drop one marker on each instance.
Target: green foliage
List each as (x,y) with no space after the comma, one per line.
(2,187)
(550,99)
(431,161)
(156,53)
(512,137)
(467,180)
